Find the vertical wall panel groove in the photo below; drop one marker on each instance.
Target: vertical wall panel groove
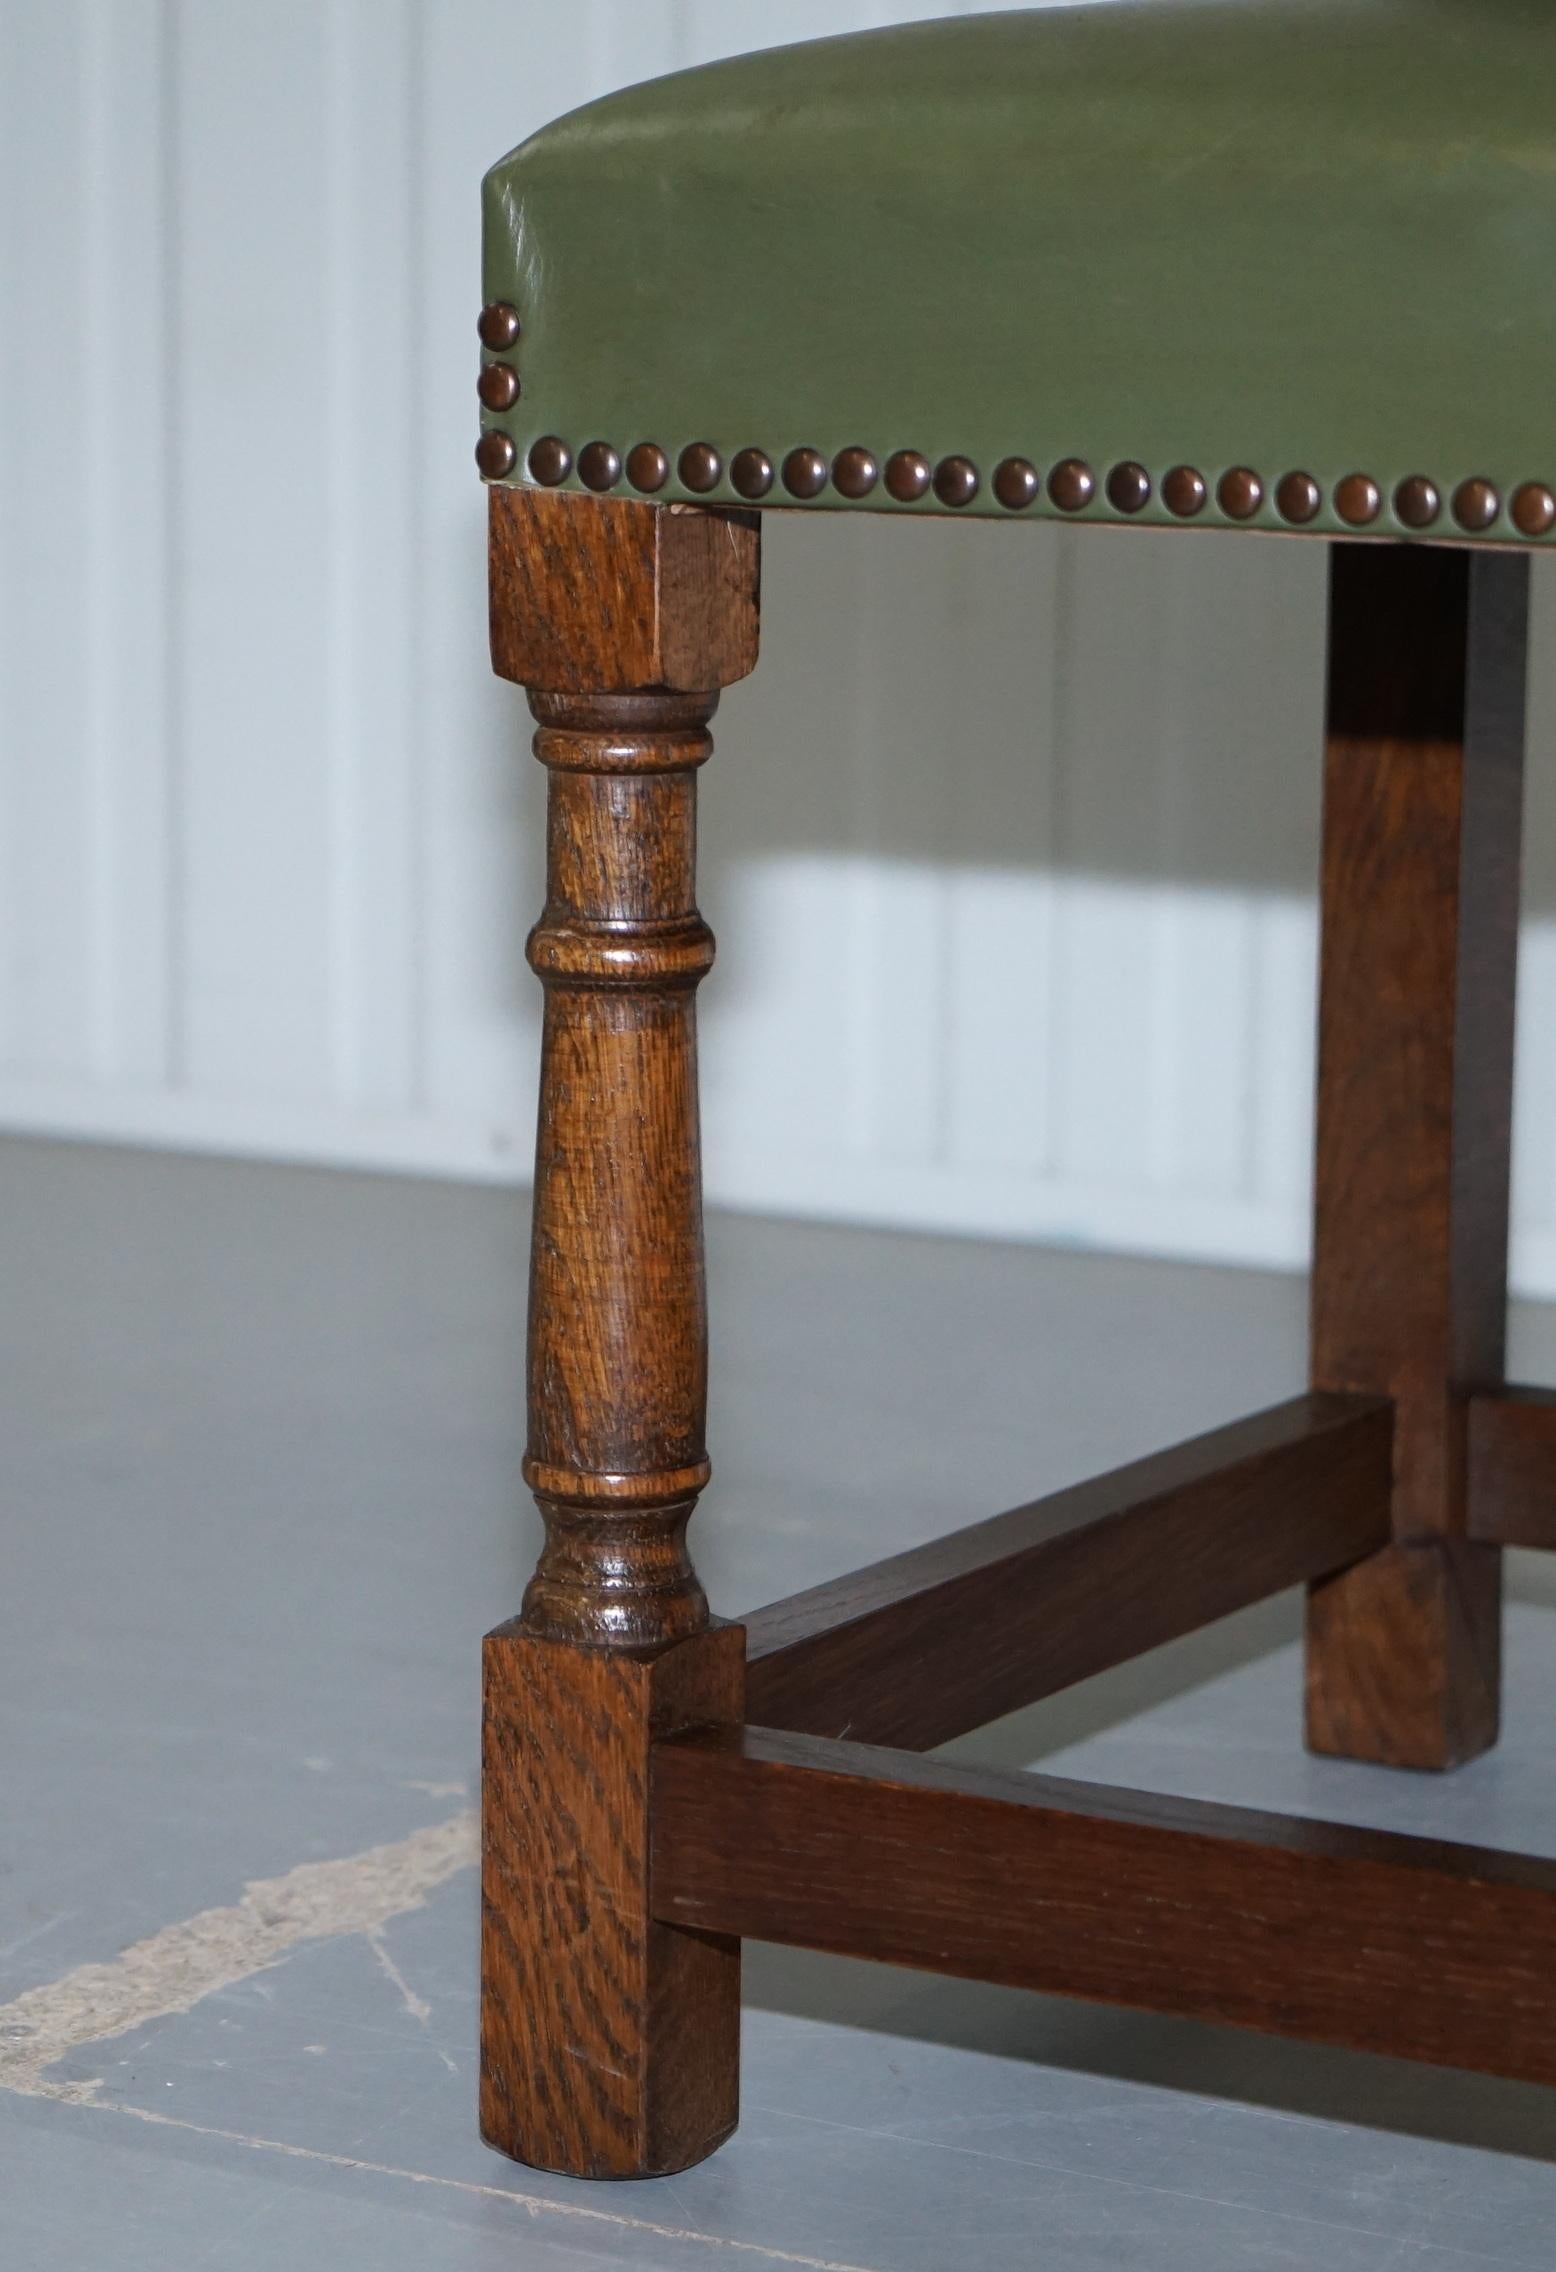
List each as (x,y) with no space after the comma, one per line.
(165,124)
(346,149)
(253,451)
(47,488)
(101,597)
(13,527)
(373,482)
(999,764)
(417,284)
(122,618)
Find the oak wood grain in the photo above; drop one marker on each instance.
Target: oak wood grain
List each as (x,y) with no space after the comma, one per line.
(609,2044)
(1356,1937)
(618,1335)
(930,1643)
(606,595)
(1422,805)
(626,1845)
(1512,1467)
(609,2041)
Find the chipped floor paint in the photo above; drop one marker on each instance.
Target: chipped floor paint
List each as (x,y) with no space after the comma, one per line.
(173,1969)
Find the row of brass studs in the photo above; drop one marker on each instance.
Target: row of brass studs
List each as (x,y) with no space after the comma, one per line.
(908,476)
(498,386)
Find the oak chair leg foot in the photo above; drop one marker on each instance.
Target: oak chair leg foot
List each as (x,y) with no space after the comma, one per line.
(610,2044)
(609,2041)
(1422,811)
(1405,1656)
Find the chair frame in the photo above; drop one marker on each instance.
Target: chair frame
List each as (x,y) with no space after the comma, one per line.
(659,1785)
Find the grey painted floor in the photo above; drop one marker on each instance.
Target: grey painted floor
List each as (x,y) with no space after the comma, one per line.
(260,1434)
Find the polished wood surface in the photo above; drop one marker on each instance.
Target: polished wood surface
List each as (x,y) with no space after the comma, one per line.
(927,1644)
(618,1336)
(609,2044)
(1422,804)
(1512,1467)
(635,1824)
(604,595)
(1354,1937)
(624,620)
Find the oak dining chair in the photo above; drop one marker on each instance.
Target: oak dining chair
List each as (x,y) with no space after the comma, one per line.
(1284,269)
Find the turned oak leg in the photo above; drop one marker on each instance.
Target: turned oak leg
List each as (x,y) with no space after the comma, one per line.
(609,2042)
(1422,805)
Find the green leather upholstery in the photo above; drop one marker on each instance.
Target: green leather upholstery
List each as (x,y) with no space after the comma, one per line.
(1302,238)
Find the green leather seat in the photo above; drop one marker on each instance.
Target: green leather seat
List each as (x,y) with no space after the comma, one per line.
(1279,265)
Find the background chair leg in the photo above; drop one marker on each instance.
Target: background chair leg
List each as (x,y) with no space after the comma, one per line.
(1422,810)
(609,2042)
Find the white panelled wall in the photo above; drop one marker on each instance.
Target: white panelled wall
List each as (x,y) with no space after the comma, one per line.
(1010,844)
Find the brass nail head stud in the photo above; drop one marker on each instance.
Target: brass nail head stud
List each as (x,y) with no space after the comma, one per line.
(1534,509)
(854,472)
(1072,485)
(648,468)
(805,473)
(495,455)
(1358,500)
(1129,487)
(908,476)
(499,326)
(498,386)
(550,460)
(956,481)
(1297,498)
(1417,501)
(1240,493)
(1475,504)
(1016,484)
(751,473)
(700,466)
(599,466)
(1184,492)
